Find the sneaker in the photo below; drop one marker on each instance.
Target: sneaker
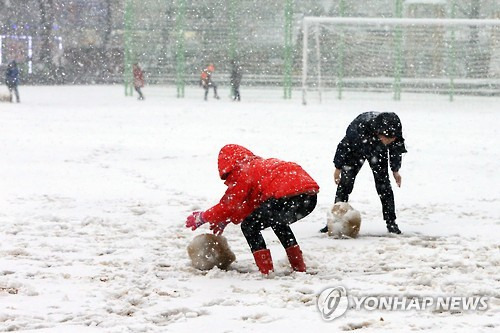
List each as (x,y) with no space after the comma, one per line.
(392,227)
(323,230)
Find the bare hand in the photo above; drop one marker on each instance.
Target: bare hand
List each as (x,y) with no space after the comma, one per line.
(336,176)
(397,177)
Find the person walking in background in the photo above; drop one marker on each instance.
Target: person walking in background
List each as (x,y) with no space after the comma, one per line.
(236,75)
(261,193)
(138,80)
(12,80)
(378,138)
(206,81)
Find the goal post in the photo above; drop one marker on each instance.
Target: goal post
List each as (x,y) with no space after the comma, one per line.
(400,54)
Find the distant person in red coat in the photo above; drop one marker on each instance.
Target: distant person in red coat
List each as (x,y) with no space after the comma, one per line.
(261,193)
(206,81)
(138,80)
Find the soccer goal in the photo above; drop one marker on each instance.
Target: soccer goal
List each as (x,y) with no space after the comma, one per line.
(453,56)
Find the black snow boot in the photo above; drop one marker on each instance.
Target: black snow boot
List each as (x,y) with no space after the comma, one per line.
(392,227)
(324,229)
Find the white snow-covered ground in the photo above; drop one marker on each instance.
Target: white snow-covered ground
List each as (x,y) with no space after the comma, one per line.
(95,188)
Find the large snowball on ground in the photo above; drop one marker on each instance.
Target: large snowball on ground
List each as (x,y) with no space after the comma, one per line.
(207,251)
(343,221)
(4,98)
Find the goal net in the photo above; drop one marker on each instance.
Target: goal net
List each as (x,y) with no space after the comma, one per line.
(453,56)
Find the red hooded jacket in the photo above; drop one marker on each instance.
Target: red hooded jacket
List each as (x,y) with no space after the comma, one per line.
(251,180)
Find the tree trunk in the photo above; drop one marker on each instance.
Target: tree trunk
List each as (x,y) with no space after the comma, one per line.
(47,41)
(108,26)
(473,57)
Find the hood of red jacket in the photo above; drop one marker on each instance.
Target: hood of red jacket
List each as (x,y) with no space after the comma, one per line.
(231,158)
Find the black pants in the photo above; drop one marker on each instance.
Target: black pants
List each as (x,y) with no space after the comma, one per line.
(208,86)
(380,168)
(138,89)
(236,93)
(16,92)
(277,214)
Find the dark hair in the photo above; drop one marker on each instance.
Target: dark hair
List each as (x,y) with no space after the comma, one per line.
(388,124)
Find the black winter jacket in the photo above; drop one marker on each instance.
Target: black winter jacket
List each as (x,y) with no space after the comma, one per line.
(361,141)
(236,75)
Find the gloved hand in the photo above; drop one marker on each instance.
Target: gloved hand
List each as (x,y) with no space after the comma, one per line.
(218,228)
(195,220)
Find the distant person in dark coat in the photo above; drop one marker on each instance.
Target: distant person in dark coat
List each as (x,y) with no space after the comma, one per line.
(12,80)
(138,80)
(378,138)
(236,75)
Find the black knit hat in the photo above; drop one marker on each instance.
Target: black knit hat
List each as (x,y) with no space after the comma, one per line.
(388,124)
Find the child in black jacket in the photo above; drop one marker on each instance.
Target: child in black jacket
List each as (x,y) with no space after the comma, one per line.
(378,138)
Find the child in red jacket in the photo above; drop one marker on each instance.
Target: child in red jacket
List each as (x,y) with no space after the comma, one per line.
(138,80)
(261,193)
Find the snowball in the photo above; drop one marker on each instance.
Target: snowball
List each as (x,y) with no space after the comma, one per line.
(207,251)
(343,221)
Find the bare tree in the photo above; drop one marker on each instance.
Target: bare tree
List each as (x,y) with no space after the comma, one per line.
(47,40)
(473,55)
(108,26)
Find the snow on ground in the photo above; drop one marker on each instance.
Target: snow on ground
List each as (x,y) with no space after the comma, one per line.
(95,189)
